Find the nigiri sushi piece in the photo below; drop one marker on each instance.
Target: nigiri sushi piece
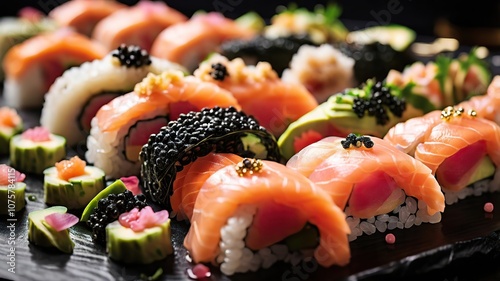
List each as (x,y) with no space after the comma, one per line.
(122,126)
(83,15)
(137,25)
(378,186)
(11,124)
(194,135)
(372,109)
(487,105)
(76,96)
(250,215)
(259,91)
(323,70)
(190,42)
(32,66)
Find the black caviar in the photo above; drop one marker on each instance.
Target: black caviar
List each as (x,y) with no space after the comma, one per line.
(219,72)
(356,141)
(194,135)
(380,98)
(131,56)
(109,209)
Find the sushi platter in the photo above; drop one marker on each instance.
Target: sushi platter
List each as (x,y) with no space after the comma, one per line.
(150,153)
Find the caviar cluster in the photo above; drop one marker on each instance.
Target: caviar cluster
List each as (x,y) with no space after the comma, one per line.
(277,51)
(195,135)
(219,72)
(131,56)
(380,99)
(109,209)
(353,140)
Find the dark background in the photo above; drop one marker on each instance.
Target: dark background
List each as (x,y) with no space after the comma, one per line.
(420,15)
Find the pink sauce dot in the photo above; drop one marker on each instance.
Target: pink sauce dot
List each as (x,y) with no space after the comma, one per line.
(390,238)
(199,271)
(488,207)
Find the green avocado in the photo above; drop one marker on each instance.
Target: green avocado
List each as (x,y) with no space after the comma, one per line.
(251,20)
(115,188)
(41,234)
(485,170)
(306,238)
(397,36)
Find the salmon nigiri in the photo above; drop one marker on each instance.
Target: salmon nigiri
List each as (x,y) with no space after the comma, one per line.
(32,66)
(83,15)
(259,91)
(137,25)
(252,214)
(122,126)
(189,43)
(371,179)
(487,105)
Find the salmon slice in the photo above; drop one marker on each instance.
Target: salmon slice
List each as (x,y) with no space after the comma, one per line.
(134,105)
(487,105)
(259,91)
(338,170)
(189,43)
(138,25)
(83,15)
(224,191)
(188,182)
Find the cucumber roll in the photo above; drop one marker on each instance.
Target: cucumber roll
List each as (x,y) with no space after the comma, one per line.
(10,125)
(12,190)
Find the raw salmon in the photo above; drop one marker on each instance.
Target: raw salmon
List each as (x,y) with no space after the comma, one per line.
(487,105)
(259,91)
(189,181)
(138,25)
(190,42)
(83,15)
(275,187)
(338,171)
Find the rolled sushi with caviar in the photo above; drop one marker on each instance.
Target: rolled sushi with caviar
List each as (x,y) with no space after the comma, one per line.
(194,135)
(36,149)
(71,183)
(11,124)
(76,96)
(12,190)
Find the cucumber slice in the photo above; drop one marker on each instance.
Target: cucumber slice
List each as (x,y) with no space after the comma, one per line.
(397,36)
(12,198)
(147,246)
(41,234)
(75,193)
(5,135)
(34,157)
(115,188)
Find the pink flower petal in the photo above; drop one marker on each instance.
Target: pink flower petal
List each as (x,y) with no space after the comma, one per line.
(132,184)
(60,221)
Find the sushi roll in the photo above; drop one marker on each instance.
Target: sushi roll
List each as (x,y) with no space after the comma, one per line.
(137,25)
(76,96)
(12,190)
(190,42)
(71,183)
(83,15)
(259,91)
(378,186)
(11,124)
(372,109)
(40,60)
(461,148)
(123,126)
(194,135)
(323,70)
(36,149)
(250,215)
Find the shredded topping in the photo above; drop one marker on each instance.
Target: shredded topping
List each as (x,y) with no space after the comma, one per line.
(354,141)
(248,166)
(158,83)
(450,112)
(131,56)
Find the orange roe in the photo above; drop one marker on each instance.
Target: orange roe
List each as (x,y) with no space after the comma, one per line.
(9,117)
(71,168)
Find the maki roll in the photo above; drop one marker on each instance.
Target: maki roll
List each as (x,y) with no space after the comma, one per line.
(194,135)
(461,148)
(12,190)
(137,25)
(80,92)
(250,215)
(378,186)
(323,70)
(123,126)
(259,91)
(11,124)
(33,65)
(83,15)
(190,42)
(371,109)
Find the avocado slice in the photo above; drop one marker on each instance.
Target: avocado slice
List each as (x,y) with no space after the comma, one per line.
(251,20)
(306,238)
(41,234)
(485,170)
(115,188)
(399,37)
